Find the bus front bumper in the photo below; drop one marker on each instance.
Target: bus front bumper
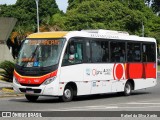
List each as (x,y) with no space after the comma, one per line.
(42,90)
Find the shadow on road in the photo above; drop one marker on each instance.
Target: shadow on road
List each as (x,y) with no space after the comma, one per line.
(80,98)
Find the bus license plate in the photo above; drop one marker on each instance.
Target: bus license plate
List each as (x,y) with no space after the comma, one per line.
(29,91)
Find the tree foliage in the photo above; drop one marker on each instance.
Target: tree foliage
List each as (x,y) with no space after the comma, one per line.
(127,15)
(25,12)
(8,68)
(124,15)
(156,6)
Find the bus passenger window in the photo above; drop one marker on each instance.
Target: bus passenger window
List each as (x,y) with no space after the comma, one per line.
(134,52)
(73,53)
(99,50)
(148,51)
(117,50)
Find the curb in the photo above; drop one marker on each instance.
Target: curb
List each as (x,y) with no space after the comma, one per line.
(10,95)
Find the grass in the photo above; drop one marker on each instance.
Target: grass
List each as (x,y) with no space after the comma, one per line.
(8,90)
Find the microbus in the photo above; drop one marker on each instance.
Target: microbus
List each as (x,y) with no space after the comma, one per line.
(86,62)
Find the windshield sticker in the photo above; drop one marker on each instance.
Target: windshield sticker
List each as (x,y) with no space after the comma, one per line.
(36,64)
(44,42)
(30,64)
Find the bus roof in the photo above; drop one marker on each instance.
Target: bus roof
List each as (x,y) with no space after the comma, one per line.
(48,35)
(107,34)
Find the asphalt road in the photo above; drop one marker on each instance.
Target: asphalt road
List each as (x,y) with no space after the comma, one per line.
(141,100)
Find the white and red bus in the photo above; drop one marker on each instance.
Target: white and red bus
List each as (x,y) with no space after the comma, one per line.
(69,64)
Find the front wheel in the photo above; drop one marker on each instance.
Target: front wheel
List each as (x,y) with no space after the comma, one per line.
(128,89)
(31,98)
(67,94)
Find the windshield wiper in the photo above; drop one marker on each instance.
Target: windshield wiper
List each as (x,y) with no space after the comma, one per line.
(32,56)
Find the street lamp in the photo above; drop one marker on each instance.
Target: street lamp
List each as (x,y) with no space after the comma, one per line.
(37,15)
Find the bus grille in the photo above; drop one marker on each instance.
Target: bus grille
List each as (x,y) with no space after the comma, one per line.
(30,85)
(34,90)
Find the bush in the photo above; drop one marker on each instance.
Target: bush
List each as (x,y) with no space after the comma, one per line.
(7,70)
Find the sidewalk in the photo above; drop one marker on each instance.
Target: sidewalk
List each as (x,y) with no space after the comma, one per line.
(6,90)
(5,84)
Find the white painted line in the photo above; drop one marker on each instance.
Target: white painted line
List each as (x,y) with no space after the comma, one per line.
(84,108)
(19,98)
(134,103)
(102,108)
(140,107)
(112,107)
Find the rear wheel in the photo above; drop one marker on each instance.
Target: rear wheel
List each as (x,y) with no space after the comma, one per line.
(128,89)
(67,94)
(31,98)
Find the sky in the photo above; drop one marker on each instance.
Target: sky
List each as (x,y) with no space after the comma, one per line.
(62,4)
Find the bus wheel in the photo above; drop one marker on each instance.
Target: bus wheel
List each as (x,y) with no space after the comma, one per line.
(31,98)
(128,89)
(67,94)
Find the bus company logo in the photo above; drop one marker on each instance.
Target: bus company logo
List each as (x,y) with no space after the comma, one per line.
(119,71)
(22,80)
(36,80)
(88,71)
(29,82)
(96,72)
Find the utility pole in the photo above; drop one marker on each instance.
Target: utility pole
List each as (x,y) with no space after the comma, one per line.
(142,29)
(37,15)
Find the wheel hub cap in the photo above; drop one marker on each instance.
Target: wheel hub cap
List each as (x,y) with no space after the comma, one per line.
(67,93)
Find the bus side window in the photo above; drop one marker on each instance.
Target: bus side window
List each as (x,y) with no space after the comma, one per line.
(99,50)
(117,50)
(73,53)
(134,52)
(148,51)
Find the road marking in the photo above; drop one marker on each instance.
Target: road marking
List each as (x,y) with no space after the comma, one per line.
(19,98)
(140,107)
(135,103)
(89,108)
(102,108)
(111,106)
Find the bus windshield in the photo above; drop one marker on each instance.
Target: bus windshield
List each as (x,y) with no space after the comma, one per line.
(40,52)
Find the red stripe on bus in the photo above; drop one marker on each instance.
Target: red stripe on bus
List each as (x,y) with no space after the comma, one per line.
(33,80)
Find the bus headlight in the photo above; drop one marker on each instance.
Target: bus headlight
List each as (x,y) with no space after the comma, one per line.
(48,81)
(15,80)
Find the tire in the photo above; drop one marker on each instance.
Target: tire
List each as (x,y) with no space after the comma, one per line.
(31,98)
(128,89)
(67,94)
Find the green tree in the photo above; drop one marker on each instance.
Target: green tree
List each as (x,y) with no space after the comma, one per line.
(25,11)
(156,6)
(124,15)
(54,22)
(103,15)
